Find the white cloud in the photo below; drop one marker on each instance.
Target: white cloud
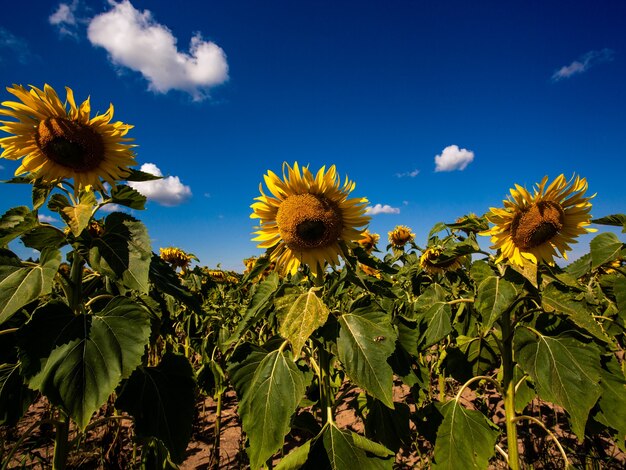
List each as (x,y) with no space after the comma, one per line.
(410,174)
(114,208)
(453,158)
(1,167)
(64,19)
(15,45)
(583,63)
(168,191)
(135,40)
(46,219)
(381,209)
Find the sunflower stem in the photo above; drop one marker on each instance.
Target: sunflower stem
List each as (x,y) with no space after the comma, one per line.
(61,447)
(76,277)
(326,398)
(508,386)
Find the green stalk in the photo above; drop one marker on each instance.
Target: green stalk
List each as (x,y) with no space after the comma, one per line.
(61,446)
(218,430)
(508,386)
(76,277)
(326,399)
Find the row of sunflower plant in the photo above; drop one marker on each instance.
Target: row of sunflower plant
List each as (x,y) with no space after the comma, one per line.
(323,317)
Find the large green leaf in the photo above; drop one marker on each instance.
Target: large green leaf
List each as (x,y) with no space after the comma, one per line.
(619,289)
(604,248)
(366,340)
(434,293)
(123,251)
(387,426)
(161,399)
(612,403)
(127,196)
(296,458)
(44,236)
(557,298)
(437,320)
(618,220)
(565,371)
(268,402)
(347,451)
(300,315)
(15,222)
(164,278)
(495,296)
(465,438)
(78,360)
(20,285)
(580,267)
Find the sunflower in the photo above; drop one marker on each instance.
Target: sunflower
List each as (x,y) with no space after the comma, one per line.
(400,236)
(56,143)
(432,262)
(221,277)
(532,227)
(176,257)
(368,241)
(306,217)
(370,271)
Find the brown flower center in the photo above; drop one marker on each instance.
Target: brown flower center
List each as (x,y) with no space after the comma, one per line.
(537,225)
(70,144)
(307,221)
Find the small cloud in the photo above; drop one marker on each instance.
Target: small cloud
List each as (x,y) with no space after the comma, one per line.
(583,63)
(381,209)
(113,208)
(135,40)
(1,167)
(15,45)
(453,158)
(65,20)
(410,174)
(168,191)
(207,195)
(46,219)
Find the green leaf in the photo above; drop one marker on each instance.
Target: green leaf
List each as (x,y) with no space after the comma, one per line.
(390,427)
(556,298)
(44,236)
(366,340)
(494,297)
(580,267)
(161,399)
(434,293)
(127,196)
(123,251)
(137,175)
(465,438)
(15,222)
(165,279)
(612,402)
(78,360)
(300,315)
(258,306)
(296,458)
(77,217)
(617,220)
(347,451)
(268,403)
(20,285)
(565,371)
(480,271)
(438,323)
(604,248)
(41,191)
(15,398)
(619,289)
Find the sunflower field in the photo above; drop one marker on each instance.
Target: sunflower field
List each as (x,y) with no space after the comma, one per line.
(334,349)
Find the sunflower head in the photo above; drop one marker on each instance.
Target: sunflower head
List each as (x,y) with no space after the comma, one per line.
(433,262)
(221,277)
(176,257)
(370,271)
(368,241)
(533,227)
(56,143)
(400,236)
(305,217)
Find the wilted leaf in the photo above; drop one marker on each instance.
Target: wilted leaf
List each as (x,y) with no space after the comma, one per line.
(565,372)
(465,438)
(366,340)
(21,285)
(300,315)
(161,399)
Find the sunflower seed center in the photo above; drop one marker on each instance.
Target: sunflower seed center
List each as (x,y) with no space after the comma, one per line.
(537,225)
(70,144)
(307,221)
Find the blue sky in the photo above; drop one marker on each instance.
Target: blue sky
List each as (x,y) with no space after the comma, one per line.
(219,92)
